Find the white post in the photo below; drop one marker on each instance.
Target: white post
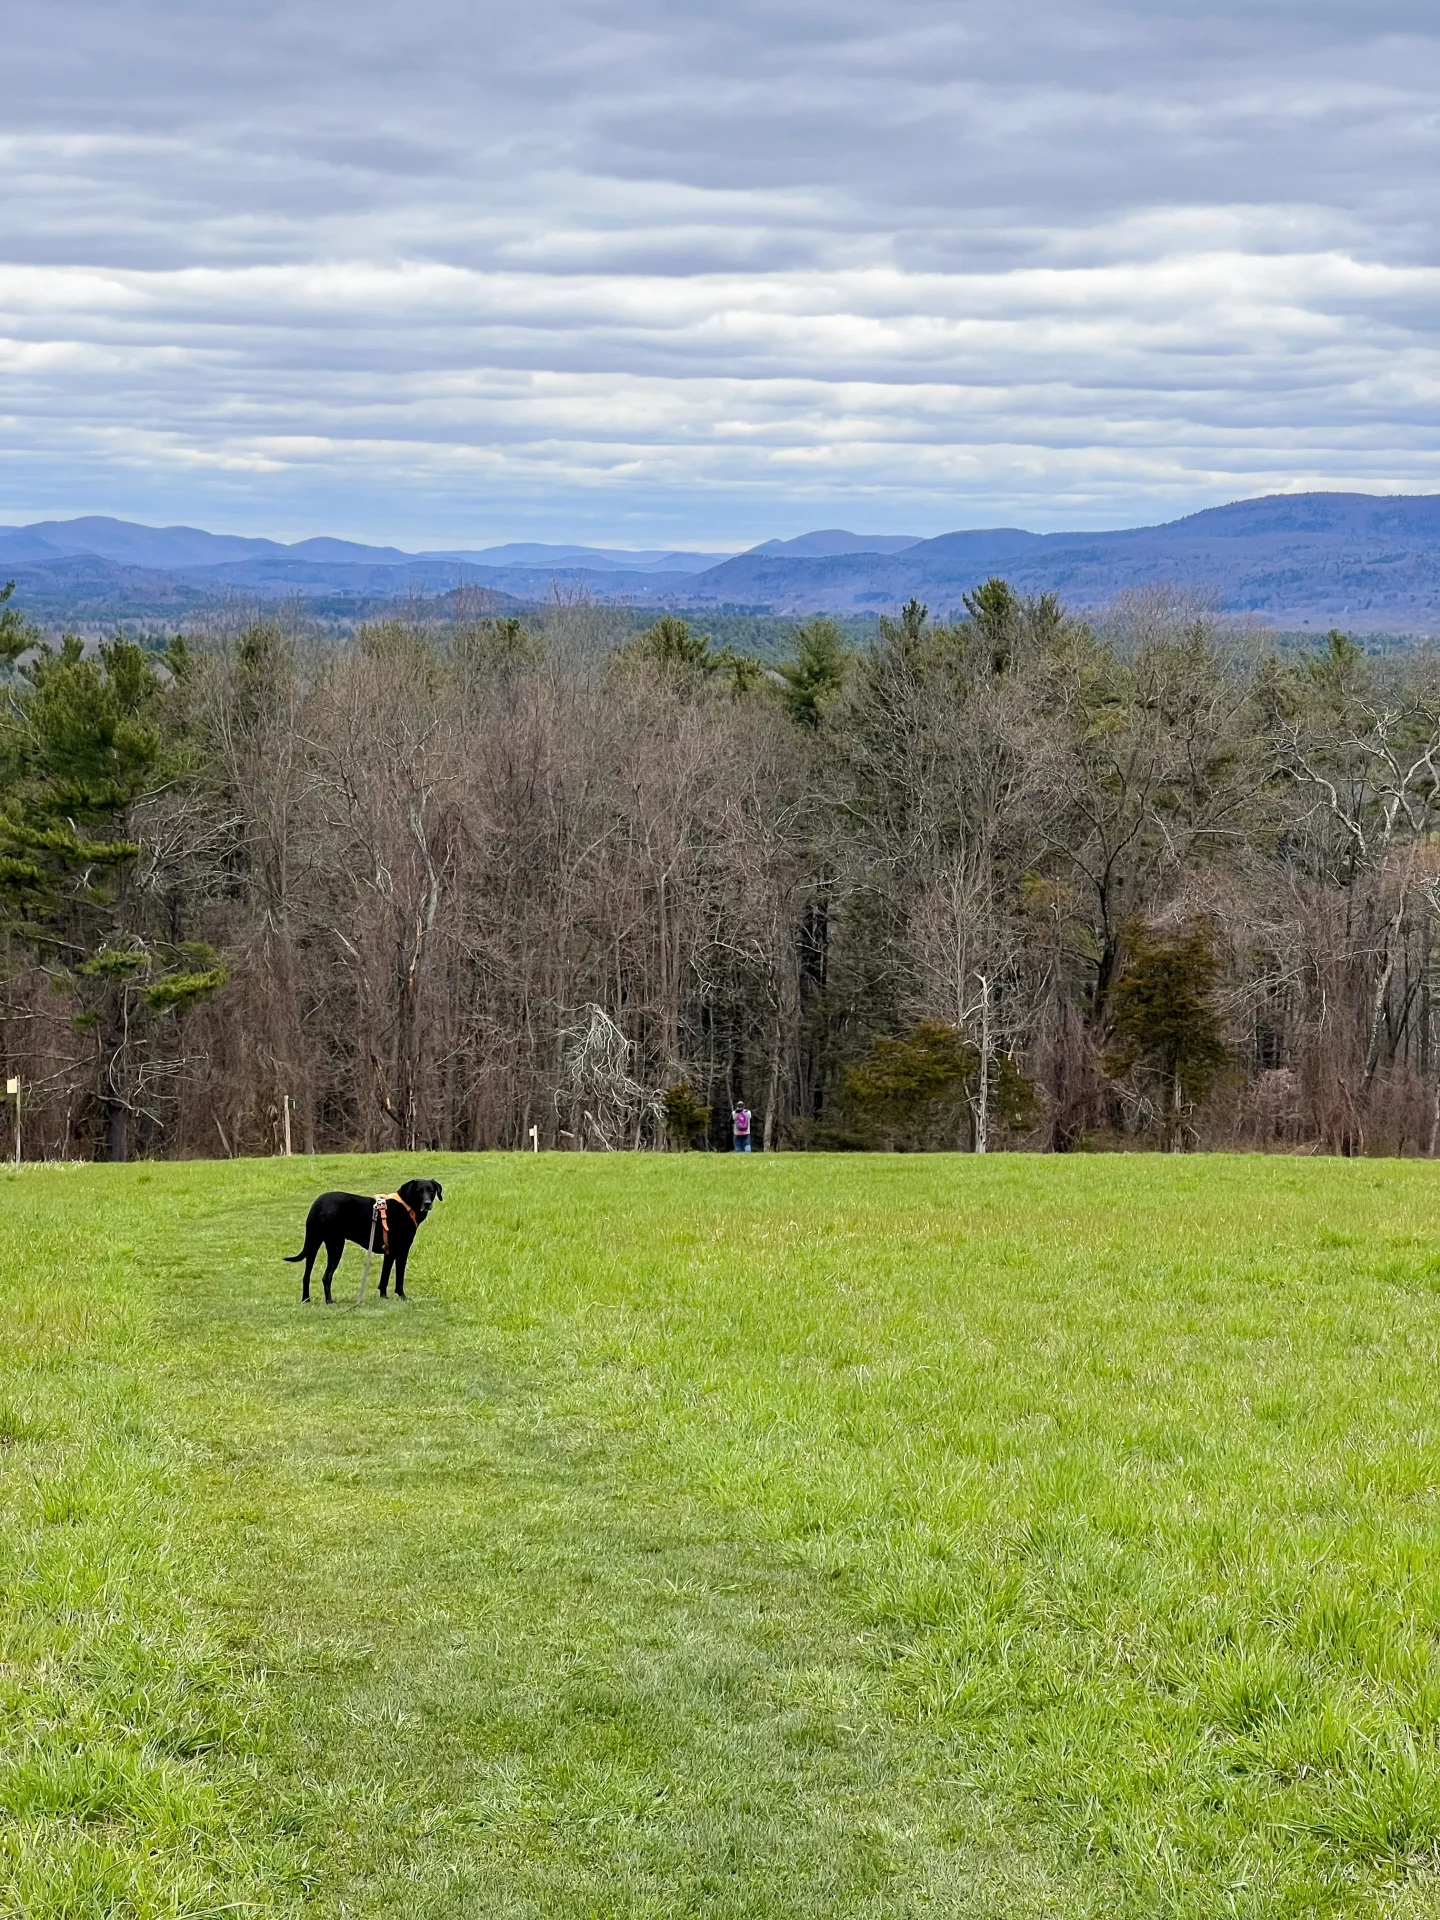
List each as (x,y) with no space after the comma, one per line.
(534,1139)
(982,1116)
(12,1085)
(287,1126)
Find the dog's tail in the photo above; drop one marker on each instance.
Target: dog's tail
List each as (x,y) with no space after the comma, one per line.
(292,1258)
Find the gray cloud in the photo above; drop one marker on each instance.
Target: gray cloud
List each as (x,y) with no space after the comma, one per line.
(697,273)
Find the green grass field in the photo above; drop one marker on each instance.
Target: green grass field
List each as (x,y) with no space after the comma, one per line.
(782,1537)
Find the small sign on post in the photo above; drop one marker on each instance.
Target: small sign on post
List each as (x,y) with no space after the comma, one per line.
(12,1087)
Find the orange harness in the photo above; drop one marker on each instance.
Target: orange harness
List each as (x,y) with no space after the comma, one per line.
(381,1212)
(382,1201)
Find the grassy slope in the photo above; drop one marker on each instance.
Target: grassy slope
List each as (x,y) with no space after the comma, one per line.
(791,1537)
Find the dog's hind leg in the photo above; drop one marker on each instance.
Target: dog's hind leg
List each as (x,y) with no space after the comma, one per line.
(309,1258)
(333,1251)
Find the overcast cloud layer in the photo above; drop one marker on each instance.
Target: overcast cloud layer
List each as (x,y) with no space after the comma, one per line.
(698,274)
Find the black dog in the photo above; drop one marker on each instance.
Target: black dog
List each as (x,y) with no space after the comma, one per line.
(338,1217)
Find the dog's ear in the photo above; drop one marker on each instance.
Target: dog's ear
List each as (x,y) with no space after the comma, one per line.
(439,1191)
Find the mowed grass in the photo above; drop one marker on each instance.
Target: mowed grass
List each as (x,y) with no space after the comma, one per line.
(782,1537)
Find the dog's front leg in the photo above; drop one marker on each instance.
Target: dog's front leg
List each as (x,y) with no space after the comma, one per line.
(385,1266)
(400,1274)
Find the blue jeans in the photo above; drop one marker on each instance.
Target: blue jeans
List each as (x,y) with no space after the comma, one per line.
(742,1143)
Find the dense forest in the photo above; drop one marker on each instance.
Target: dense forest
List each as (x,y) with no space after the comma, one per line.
(1011,879)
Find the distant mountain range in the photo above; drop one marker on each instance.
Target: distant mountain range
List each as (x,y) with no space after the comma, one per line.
(1365,562)
(190,550)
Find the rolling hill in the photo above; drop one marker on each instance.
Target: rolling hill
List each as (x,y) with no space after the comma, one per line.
(1366,562)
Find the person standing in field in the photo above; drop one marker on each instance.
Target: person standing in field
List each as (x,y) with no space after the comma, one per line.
(740,1127)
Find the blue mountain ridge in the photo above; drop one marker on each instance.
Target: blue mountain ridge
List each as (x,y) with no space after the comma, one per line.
(173,549)
(1368,562)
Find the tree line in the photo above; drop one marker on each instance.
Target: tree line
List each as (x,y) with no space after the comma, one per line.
(1011,878)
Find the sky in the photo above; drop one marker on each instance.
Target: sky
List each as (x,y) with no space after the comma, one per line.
(701,274)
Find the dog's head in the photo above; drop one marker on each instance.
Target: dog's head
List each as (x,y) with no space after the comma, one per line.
(421,1195)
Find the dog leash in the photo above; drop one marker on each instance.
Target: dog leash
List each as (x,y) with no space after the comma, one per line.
(380,1212)
(377,1212)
